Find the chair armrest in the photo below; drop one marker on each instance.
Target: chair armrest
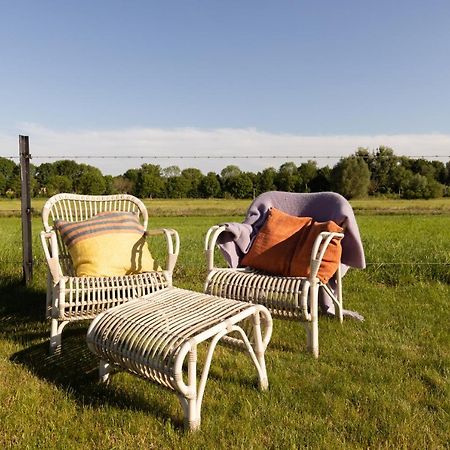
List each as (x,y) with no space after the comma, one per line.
(173,244)
(210,244)
(319,248)
(51,252)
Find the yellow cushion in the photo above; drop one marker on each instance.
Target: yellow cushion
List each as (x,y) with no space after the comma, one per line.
(108,244)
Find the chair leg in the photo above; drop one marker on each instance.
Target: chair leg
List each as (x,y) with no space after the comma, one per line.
(104,370)
(55,336)
(48,303)
(312,328)
(339,303)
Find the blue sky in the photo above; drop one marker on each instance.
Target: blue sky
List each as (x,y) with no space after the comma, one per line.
(175,77)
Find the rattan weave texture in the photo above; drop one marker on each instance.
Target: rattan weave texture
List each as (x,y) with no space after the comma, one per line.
(153,336)
(71,298)
(285,297)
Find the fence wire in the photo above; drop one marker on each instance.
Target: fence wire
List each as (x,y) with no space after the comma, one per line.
(307,157)
(38,261)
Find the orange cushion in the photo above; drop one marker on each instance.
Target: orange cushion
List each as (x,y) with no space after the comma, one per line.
(284,243)
(276,242)
(300,262)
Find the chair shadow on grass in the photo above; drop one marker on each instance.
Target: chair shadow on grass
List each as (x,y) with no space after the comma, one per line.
(21,311)
(75,370)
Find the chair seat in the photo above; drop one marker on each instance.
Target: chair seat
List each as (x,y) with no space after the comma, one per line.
(285,297)
(85,297)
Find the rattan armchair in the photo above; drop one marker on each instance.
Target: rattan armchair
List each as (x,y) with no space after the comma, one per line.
(71,298)
(286,297)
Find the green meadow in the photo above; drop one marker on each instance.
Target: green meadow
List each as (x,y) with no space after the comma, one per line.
(217,207)
(381,383)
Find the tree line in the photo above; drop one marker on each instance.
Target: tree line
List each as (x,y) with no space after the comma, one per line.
(365,173)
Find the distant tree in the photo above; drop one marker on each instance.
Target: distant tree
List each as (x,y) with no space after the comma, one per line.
(230,171)
(9,172)
(240,186)
(306,173)
(401,178)
(440,172)
(110,188)
(364,153)
(412,184)
(423,167)
(132,176)
(34,186)
(229,180)
(193,178)
(266,180)
(177,187)
(254,177)
(7,167)
(435,189)
(67,167)
(14,184)
(90,181)
(171,171)
(149,182)
(122,185)
(3,181)
(322,181)
(287,178)
(43,172)
(210,186)
(351,177)
(381,165)
(416,187)
(57,184)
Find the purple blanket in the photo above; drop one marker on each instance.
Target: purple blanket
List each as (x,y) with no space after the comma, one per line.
(321,206)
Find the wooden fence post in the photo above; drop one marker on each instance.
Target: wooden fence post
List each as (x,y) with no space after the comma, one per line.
(27,249)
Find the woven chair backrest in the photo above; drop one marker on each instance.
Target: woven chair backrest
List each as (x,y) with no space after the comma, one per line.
(75,207)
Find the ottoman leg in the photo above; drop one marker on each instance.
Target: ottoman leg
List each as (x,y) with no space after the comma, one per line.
(191,416)
(259,352)
(193,408)
(190,399)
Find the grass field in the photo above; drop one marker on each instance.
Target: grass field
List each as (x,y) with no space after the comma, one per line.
(382,383)
(221,207)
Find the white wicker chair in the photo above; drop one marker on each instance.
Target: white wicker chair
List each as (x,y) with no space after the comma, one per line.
(71,298)
(288,297)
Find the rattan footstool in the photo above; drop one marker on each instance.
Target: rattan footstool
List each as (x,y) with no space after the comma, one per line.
(153,335)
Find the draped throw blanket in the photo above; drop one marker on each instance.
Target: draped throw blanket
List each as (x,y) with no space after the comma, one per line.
(235,242)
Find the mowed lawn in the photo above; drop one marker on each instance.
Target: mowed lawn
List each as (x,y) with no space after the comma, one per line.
(381,383)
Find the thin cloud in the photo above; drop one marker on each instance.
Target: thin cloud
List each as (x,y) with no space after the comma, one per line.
(231,145)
